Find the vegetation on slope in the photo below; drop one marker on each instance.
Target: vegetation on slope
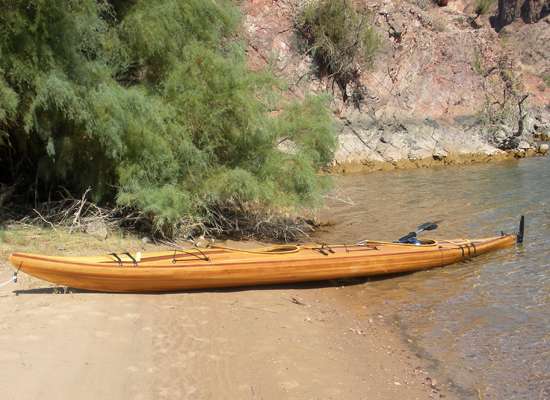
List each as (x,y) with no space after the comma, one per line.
(151,105)
(482,7)
(341,40)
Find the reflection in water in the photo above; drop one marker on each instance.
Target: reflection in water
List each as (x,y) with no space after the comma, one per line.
(486,322)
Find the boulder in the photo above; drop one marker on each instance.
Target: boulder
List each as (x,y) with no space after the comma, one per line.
(543,148)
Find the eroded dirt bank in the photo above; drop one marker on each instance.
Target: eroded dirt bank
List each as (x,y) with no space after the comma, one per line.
(271,343)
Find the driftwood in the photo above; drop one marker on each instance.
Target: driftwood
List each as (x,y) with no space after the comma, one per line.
(239,221)
(230,219)
(78,215)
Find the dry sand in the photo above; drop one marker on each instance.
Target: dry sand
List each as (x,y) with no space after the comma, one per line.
(298,342)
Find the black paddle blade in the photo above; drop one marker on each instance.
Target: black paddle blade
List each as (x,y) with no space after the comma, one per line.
(521,231)
(428,226)
(407,238)
(411,236)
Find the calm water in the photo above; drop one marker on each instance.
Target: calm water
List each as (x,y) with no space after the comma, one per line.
(485,323)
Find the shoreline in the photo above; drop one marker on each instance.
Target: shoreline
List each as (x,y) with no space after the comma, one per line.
(452,159)
(296,341)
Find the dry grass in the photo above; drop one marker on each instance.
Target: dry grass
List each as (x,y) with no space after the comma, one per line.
(45,240)
(36,239)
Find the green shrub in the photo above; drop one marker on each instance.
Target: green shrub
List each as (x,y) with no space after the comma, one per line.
(340,38)
(151,104)
(481,7)
(8,107)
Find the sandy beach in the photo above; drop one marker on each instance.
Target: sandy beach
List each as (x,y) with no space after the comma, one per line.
(284,342)
(355,125)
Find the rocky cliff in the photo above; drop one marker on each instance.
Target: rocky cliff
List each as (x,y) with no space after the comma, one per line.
(445,86)
(529,10)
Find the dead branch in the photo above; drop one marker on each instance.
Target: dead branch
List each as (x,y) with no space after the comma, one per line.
(44,219)
(521,115)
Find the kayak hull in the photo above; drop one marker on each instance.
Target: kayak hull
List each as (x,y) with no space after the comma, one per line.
(219,267)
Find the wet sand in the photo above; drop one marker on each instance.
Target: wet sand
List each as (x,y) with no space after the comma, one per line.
(297,342)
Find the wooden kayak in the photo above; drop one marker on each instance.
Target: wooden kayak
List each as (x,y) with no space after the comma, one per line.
(219,266)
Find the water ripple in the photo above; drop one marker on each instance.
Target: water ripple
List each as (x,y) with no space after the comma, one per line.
(486,322)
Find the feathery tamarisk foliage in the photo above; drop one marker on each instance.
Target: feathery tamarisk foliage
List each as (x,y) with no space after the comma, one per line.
(341,39)
(151,104)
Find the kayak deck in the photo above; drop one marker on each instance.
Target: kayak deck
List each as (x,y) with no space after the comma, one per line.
(219,266)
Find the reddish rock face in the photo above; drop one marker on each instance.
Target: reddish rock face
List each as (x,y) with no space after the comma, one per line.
(427,83)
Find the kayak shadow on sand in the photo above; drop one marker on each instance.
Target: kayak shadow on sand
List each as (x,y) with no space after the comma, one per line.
(51,290)
(282,286)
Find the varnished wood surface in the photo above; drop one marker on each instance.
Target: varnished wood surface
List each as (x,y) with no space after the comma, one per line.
(221,267)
